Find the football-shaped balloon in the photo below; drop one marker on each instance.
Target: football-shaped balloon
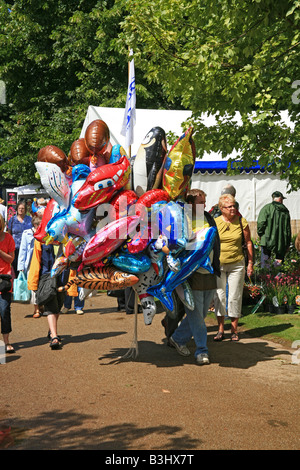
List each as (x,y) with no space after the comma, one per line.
(53,154)
(79,153)
(97,136)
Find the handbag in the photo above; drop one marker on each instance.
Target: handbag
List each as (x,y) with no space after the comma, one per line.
(244,246)
(5,283)
(21,291)
(47,289)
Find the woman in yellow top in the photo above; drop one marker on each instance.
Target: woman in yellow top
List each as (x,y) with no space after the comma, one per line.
(232,263)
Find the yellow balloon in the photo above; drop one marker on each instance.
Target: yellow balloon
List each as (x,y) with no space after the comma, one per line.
(179,165)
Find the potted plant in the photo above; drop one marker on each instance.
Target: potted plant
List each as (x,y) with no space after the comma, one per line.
(276,292)
(280,295)
(292,291)
(268,289)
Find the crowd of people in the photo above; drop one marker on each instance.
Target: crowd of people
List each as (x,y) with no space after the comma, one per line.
(20,251)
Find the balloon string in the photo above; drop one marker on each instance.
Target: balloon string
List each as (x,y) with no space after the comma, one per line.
(134,349)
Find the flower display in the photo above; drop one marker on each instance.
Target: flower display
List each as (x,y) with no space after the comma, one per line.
(283,288)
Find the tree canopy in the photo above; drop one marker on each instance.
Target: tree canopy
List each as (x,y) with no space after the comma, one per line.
(211,56)
(222,57)
(57,57)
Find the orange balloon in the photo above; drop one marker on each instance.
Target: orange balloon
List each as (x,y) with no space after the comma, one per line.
(52,154)
(79,153)
(97,136)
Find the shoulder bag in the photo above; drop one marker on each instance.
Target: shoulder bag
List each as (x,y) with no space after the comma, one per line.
(5,283)
(244,245)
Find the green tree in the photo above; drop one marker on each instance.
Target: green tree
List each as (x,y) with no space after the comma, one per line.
(223,57)
(57,57)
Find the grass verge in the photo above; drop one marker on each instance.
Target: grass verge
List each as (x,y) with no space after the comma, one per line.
(282,329)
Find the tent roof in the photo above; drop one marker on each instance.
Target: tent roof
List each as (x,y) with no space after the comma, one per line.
(28,189)
(168,120)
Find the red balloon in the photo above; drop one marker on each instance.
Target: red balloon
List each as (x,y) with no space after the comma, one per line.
(97,136)
(102,184)
(121,202)
(40,232)
(152,196)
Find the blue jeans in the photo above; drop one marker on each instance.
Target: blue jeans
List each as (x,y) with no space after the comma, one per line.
(5,313)
(78,304)
(193,324)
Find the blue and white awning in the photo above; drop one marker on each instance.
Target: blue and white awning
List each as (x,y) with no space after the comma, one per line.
(220,166)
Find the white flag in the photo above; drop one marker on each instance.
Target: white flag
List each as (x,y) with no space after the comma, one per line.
(130,116)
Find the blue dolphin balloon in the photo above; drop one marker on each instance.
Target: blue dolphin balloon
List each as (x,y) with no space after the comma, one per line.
(195,256)
(131,263)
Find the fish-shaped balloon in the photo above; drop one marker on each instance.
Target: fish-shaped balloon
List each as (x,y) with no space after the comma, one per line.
(79,173)
(108,238)
(101,184)
(195,255)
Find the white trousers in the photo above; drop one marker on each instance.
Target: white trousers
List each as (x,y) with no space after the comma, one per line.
(229,291)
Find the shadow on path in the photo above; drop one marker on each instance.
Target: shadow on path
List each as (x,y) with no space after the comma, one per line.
(72,431)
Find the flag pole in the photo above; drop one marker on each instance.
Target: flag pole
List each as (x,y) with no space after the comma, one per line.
(130,111)
(129,148)
(127,131)
(135,347)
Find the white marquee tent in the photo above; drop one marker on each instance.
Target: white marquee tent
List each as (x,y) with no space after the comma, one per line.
(254,188)
(145,120)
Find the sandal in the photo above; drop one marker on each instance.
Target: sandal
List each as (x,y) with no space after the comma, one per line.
(219,337)
(36,314)
(234,337)
(9,349)
(54,343)
(49,336)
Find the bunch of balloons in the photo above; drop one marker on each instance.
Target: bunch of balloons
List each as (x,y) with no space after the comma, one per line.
(124,223)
